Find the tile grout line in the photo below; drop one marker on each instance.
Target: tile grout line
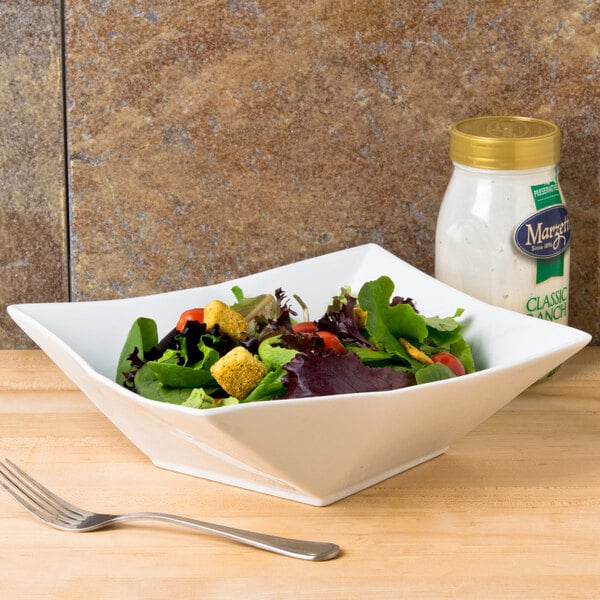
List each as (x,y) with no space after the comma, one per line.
(67,187)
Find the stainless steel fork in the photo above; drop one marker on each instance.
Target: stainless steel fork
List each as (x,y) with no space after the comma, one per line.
(60,514)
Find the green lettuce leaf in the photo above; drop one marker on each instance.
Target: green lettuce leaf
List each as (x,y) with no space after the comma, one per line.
(387,323)
(148,386)
(273,355)
(434,372)
(142,335)
(178,376)
(270,387)
(198,398)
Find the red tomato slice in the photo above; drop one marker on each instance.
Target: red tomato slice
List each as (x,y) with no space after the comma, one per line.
(193,314)
(450,361)
(332,342)
(305,327)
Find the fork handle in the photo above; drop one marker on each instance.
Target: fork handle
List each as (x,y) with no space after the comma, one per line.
(303,549)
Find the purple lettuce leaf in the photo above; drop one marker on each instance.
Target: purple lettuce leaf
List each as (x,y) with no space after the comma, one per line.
(309,374)
(340,320)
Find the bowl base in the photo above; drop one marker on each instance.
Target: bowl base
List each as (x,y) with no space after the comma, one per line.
(288,492)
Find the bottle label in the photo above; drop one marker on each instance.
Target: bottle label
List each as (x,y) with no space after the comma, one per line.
(545,234)
(552,306)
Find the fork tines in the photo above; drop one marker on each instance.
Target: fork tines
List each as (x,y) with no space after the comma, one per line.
(36,498)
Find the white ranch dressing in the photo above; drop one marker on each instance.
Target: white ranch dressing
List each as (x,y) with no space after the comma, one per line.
(502,233)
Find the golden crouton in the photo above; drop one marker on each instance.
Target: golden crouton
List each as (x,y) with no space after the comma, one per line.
(238,372)
(360,317)
(415,352)
(230,322)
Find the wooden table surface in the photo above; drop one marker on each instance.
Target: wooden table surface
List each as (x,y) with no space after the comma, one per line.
(510,511)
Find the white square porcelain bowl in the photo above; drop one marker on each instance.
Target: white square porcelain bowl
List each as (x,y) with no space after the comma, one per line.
(312,450)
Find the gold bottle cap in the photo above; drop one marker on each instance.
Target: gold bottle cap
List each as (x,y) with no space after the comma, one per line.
(505,143)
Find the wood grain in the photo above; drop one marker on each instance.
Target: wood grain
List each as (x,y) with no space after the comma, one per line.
(510,511)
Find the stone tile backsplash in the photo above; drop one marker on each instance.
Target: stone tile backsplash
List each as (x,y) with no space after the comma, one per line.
(199,141)
(33,237)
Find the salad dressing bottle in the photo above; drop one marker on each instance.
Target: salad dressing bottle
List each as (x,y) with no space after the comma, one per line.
(503,228)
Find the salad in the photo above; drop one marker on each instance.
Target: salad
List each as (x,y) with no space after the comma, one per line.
(259,349)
